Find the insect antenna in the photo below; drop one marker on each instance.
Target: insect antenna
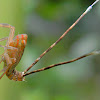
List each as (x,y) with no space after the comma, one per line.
(55,43)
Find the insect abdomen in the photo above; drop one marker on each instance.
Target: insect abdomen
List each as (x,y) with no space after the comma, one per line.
(16,76)
(19,42)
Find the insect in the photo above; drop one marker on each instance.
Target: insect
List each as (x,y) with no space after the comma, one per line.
(14,48)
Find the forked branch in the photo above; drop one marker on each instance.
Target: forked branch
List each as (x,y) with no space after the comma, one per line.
(87,10)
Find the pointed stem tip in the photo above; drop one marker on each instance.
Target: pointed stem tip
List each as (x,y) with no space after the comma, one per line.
(90,7)
(95,52)
(95,3)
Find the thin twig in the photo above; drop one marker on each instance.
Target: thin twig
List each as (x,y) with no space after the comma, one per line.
(87,10)
(62,63)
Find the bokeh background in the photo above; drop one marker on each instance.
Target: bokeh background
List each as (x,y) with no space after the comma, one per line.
(44,21)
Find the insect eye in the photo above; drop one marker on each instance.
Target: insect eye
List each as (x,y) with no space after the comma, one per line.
(24,37)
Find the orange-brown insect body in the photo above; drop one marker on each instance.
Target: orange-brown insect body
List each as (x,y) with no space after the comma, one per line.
(19,43)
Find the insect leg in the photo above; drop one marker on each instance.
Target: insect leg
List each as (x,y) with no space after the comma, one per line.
(62,63)
(12,31)
(9,47)
(7,66)
(2,39)
(86,11)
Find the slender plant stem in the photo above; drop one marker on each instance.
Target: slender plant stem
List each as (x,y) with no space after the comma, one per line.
(62,63)
(55,43)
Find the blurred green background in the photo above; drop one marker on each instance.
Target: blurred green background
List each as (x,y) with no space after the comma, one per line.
(45,21)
